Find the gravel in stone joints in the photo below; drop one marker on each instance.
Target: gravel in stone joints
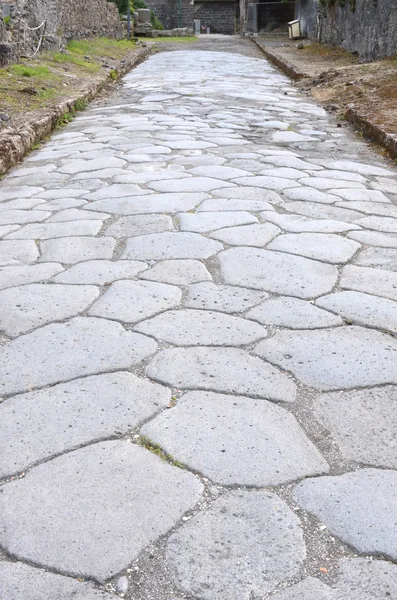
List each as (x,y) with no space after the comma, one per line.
(184,266)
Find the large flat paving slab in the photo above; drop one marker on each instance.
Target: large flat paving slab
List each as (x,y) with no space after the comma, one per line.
(90,512)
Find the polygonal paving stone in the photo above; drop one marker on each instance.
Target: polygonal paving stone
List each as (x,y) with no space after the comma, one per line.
(236,441)
(332,359)
(48,422)
(82,166)
(251,194)
(29,306)
(386,224)
(363,309)
(315,210)
(226,204)
(157,203)
(335,174)
(131,301)
(4,229)
(202,328)
(260,269)
(101,272)
(361,579)
(139,225)
(203,222)
(191,184)
(308,589)
(363,424)
(225,298)
(45,231)
(361,195)
(23,191)
(371,208)
(219,172)
(228,370)
(326,183)
(115,191)
(72,250)
(9,217)
(75,214)
(356,167)
(12,276)
(257,235)
(267,182)
(373,281)
(299,224)
(177,272)
(356,507)
(381,258)
(385,185)
(287,172)
(159,246)
(292,313)
(375,238)
(62,351)
(18,252)
(310,195)
(23,582)
(67,514)
(326,247)
(244,544)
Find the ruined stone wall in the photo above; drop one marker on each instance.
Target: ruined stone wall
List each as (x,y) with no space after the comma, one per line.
(165,11)
(220,17)
(72,18)
(370,29)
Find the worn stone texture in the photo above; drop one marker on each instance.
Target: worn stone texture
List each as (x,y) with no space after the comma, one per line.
(356,507)
(177,272)
(45,423)
(227,370)
(68,513)
(236,441)
(226,298)
(242,545)
(62,351)
(292,313)
(159,246)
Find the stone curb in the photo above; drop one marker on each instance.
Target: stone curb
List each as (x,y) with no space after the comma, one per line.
(369,130)
(286,67)
(372,132)
(15,144)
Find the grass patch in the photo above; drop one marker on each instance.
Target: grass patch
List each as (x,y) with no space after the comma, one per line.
(158,451)
(28,71)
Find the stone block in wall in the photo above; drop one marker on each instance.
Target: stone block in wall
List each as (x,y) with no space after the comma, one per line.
(8,54)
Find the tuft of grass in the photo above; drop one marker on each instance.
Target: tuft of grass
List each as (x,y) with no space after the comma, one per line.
(181,40)
(60,57)
(28,71)
(158,451)
(113,74)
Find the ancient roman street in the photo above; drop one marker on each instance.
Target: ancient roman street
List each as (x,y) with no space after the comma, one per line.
(198,367)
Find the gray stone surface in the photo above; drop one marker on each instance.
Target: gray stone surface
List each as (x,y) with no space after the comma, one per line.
(140,205)
(319,246)
(9,217)
(202,328)
(29,306)
(361,579)
(386,224)
(226,204)
(308,589)
(192,184)
(380,258)
(356,507)
(139,225)
(292,313)
(247,193)
(21,252)
(316,210)
(62,351)
(373,281)
(228,370)
(332,359)
(67,513)
(101,272)
(374,238)
(363,423)
(247,235)
(203,222)
(363,309)
(23,582)
(260,269)
(45,231)
(243,545)
(72,250)
(299,224)
(132,301)
(177,272)
(13,276)
(236,441)
(45,423)
(158,246)
(225,298)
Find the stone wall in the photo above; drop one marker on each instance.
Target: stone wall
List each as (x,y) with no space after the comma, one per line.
(370,30)
(220,17)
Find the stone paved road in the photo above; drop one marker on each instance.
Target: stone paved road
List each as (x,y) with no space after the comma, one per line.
(207,265)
